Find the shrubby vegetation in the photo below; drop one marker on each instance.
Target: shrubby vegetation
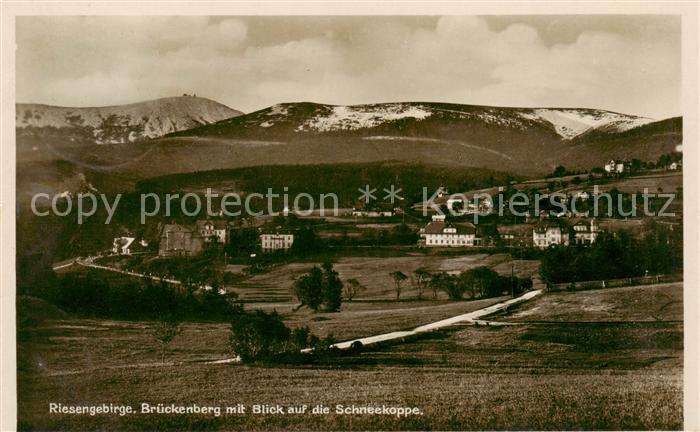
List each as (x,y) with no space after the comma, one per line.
(92,293)
(479,282)
(320,288)
(261,336)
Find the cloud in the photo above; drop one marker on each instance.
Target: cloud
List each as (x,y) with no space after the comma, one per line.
(462,59)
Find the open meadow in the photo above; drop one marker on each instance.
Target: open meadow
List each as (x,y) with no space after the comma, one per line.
(604,359)
(374,274)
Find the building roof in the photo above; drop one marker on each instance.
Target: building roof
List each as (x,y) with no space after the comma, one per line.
(217,223)
(521,229)
(586,224)
(123,242)
(275,230)
(174,227)
(437,227)
(548,224)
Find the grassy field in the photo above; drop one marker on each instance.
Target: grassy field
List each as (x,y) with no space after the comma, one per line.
(374,274)
(600,365)
(662,302)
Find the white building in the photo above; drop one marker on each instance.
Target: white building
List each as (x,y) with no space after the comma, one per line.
(372,213)
(549,233)
(439,233)
(467,206)
(271,242)
(586,233)
(122,245)
(212,231)
(583,195)
(616,167)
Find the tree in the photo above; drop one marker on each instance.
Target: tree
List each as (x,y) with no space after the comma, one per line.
(352,288)
(332,288)
(309,289)
(306,242)
(320,287)
(438,282)
(421,279)
(486,280)
(446,282)
(165,330)
(399,279)
(559,171)
(258,335)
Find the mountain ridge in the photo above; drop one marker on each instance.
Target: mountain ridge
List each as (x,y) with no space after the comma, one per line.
(568,123)
(131,122)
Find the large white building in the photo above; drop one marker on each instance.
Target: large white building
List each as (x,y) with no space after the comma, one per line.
(439,233)
(274,241)
(550,233)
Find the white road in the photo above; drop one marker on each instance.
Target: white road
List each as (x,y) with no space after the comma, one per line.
(89,262)
(471,317)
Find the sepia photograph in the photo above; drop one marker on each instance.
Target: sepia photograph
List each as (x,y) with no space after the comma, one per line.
(358,221)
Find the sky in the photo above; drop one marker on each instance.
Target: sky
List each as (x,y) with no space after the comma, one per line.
(624,63)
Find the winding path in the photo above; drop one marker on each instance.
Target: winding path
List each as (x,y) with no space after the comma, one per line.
(89,262)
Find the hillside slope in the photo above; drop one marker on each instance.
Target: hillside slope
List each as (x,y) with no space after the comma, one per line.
(521,140)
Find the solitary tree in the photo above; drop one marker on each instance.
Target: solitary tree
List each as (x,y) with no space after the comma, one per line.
(332,288)
(309,289)
(352,288)
(165,330)
(399,279)
(559,171)
(421,278)
(320,288)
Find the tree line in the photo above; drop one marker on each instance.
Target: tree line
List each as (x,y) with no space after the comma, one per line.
(617,255)
(321,289)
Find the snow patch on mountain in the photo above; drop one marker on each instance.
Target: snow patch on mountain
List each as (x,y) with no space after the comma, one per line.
(570,123)
(359,117)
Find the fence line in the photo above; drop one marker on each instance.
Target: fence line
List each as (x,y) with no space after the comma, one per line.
(615,283)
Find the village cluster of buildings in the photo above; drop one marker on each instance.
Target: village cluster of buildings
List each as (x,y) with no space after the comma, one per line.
(547,232)
(625,166)
(181,240)
(191,240)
